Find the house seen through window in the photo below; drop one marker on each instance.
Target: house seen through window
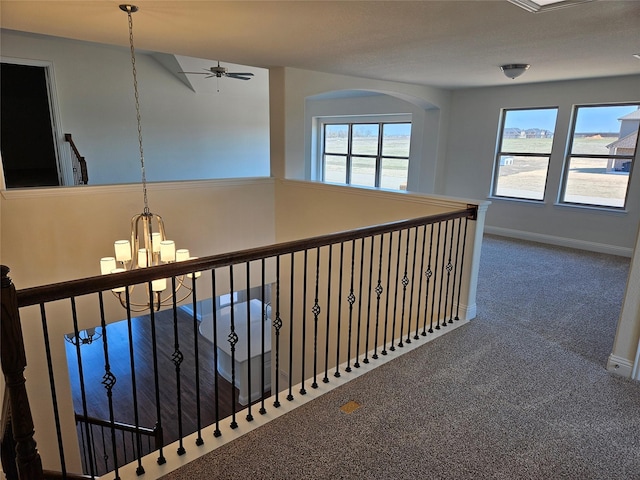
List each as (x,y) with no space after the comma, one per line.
(602,147)
(366,154)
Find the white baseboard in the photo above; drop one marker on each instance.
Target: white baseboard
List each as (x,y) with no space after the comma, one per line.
(620,366)
(560,241)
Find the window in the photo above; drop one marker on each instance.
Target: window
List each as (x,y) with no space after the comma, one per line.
(366,154)
(524,149)
(601,150)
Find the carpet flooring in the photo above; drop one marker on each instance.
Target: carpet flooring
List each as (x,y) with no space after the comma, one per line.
(521,392)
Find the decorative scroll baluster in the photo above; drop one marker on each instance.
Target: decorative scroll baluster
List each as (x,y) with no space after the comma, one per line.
(161,460)
(386,307)
(277,324)
(303,391)
(216,386)
(134,389)
(464,248)
(177,357)
(326,343)
(292,283)
(316,311)
(357,362)
(249,416)
(395,296)
(442,283)
(379,291)
(337,372)
(233,340)
(366,338)
(405,283)
(449,268)
(351,299)
(433,297)
(109,381)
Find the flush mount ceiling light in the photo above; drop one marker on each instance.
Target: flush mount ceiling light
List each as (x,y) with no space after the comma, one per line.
(536,6)
(514,70)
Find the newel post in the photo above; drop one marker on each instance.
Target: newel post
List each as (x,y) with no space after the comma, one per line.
(14,361)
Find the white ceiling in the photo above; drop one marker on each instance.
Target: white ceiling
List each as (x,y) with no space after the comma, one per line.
(449,44)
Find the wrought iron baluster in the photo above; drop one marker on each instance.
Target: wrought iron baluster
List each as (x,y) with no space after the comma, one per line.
(449,268)
(422,255)
(386,304)
(433,297)
(214,319)
(395,297)
(351,299)
(357,362)
(291,306)
(233,340)
(109,381)
(196,354)
(177,357)
(428,274)
(442,281)
(83,393)
(366,338)
(337,372)
(456,270)
(303,391)
(412,283)
(326,343)
(379,291)
(105,454)
(263,320)
(52,384)
(138,444)
(316,311)
(405,284)
(249,416)
(161,460)
(277,325)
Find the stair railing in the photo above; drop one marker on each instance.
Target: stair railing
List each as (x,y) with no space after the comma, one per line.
(78,163)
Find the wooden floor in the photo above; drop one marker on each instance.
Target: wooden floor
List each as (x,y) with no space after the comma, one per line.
(170,412)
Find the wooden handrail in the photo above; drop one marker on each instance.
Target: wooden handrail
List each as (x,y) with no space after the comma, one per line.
(14,361)
(84,174)
(99,283)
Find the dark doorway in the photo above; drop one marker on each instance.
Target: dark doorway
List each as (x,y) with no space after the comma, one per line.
(26,133)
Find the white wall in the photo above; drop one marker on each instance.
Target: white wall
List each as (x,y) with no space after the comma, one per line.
(187,135)
(470,154)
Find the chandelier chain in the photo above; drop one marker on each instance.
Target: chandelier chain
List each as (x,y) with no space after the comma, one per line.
(138,116)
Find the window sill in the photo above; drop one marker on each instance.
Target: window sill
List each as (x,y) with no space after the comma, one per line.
(593,208)
(519,200)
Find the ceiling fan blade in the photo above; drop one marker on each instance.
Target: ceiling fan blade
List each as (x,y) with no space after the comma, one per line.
(233,74)
(238,78)
(197,73)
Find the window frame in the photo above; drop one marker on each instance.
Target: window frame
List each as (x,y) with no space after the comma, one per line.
(499,153)
(350,121)
(562,190)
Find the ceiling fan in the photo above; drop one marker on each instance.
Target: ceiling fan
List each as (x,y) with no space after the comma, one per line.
(220,72)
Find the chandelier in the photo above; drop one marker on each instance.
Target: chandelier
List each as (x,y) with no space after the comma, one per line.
(148,245)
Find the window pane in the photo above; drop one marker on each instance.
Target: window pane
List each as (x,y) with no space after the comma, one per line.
(335,168)
(394,173)
(363,171)
(365,139)
(396,138)
(522,177)
(335,138)
(606,130)
(595,181)
(528,131)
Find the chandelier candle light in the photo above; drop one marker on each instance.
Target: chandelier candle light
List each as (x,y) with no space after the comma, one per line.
(149,246)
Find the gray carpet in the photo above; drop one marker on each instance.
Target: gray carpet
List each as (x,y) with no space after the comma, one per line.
(519,393)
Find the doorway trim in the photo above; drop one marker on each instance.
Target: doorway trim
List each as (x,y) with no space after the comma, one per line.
(61,149)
